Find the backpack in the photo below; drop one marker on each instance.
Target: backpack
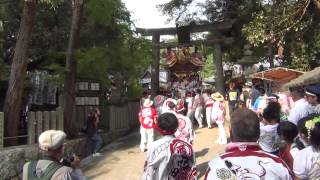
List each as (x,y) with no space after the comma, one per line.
(48,173)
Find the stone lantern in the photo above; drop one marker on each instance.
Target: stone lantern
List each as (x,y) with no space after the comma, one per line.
(247,61)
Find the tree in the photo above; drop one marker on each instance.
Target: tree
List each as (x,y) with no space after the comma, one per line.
(71,70)
(12,104)
(292,24)
(106,44)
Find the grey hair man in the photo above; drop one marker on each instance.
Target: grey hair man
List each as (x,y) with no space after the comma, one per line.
(244,158)
(301,107)
(51,145)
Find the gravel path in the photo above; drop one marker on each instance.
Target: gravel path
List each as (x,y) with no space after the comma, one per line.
(122,159)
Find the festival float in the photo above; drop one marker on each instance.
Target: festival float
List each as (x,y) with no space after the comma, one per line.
(183,65)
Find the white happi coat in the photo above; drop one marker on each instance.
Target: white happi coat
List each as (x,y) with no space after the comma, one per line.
(306,164)
(218,111)
(189,100)
(165,107)
(170,159)
(184,131)
(247,161)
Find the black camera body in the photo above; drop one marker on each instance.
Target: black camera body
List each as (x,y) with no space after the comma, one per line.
(67,160)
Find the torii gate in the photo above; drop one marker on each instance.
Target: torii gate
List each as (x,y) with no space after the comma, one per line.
(215,28)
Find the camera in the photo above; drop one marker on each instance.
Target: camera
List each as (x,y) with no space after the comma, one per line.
(68,160)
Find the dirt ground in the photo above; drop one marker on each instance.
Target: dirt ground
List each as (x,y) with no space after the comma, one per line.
(122,159)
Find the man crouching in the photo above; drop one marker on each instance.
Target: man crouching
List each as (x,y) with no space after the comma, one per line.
(51,144)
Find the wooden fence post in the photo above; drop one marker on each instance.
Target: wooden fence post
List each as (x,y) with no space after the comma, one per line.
(46,117)
(112,115)
(1,129)
(127,125)
(60,118)
(39,118)
(53,120)
(31,128)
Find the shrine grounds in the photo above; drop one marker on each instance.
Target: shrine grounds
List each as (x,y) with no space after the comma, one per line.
(122,159)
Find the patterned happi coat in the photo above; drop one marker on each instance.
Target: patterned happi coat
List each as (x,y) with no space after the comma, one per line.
(170,159)
(147,117)
(184,131)
(244,161)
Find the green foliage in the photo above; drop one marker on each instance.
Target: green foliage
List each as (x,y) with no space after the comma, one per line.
(256,30)
(109,46)
(130,58)
(52,3)
(135,89)
(4,71)
(107,43)
(107,12)
(209,67)
(293,23)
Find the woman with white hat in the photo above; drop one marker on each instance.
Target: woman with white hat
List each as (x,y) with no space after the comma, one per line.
(147,117)
(218,116)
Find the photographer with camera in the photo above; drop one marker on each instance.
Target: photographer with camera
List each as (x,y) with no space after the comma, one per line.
(51,144)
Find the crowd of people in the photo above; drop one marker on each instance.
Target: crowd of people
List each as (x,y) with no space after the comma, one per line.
(273,136)
(264,143)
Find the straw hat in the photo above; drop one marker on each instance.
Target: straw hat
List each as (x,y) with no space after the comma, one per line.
(217,96)
(147,103)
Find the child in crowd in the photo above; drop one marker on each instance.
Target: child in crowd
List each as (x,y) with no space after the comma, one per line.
(169,105)
(287,132)
(306,163)
(184,131)
(147,117)
(260,103)
(169,157)
(218,116)
(269,139)
(302,140)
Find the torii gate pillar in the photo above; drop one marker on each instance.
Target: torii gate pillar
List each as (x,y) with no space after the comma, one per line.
(217,60)
(155,65)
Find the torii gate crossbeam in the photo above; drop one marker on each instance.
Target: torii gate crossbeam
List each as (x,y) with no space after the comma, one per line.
(212,27)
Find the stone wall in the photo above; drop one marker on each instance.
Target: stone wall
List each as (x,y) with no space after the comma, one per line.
(12,159)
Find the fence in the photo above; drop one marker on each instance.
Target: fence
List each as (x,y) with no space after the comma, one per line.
(123,117)
(38,122)
(114,117)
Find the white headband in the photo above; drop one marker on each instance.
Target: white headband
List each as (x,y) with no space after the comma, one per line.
(310,93)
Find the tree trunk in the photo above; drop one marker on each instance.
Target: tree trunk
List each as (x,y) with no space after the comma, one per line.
(155,65)
(12,106)
(270,54)
(71,69)
(219,69)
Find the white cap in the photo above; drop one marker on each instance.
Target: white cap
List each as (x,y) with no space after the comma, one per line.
(51,139)
(147,103)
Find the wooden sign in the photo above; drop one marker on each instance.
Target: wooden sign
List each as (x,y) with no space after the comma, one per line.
(85,101)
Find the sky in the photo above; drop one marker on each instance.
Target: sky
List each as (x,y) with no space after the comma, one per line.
(145,14)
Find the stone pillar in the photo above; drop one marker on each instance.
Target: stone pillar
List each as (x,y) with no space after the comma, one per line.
(155,65)
(219,77)
(1,129)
